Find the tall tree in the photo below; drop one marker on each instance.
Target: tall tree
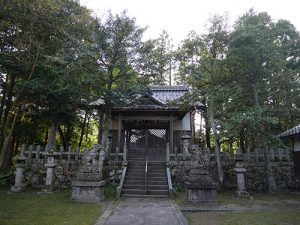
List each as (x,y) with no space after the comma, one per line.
(119,48)
(259,65)
(158,63)
(201,65)
(39,42)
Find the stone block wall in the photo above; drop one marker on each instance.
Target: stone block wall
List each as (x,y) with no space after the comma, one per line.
(255,176)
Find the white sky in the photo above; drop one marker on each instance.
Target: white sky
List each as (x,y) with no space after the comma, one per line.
(178,17)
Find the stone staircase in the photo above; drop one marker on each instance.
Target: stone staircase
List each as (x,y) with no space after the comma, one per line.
(156,184)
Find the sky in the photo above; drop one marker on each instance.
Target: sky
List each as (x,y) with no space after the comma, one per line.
(178,17)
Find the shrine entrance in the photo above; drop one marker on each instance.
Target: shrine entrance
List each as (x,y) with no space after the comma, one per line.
(147,143)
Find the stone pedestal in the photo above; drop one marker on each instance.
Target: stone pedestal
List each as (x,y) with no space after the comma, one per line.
(89,184)
(20,166)
(85,191)
(200,195)
(200,188)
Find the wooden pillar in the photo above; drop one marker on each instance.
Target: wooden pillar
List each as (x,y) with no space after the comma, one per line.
(119,131)
(171,134)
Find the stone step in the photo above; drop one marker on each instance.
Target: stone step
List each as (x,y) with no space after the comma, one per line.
(130,170)
(135,176)
(134,191)
(137,173)
(156,182)
(134,181)
(157,187)
(144,196)
(134,186)
(160,165)
(157,192)
(150,170)
(157,178)
(157,166)
(156,175)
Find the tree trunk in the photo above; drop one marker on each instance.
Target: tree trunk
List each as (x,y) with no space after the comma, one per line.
(100,129)
(8,106)
(82,129)
(69,134)
(46,135)
(242,142)
(62,137)
(2,100)
(262,143)
(4,155)
(217,142)
(51,141)
(207,128)
(213,122)
(106,124)
(87,130)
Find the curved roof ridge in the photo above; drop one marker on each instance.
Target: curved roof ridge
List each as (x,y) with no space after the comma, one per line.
(168,88)
(291,132)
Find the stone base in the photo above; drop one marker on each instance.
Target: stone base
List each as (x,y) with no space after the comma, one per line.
(201,196)
(15,189)
(85,191)
(243,195)
(47,192)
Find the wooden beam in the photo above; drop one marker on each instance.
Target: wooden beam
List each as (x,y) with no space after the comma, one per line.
(166,118)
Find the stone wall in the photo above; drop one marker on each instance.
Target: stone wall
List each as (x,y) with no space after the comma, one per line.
(255,176)
(66,165)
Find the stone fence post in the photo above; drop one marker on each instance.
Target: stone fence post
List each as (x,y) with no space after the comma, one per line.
(29,157)
(77,153)
(37,153)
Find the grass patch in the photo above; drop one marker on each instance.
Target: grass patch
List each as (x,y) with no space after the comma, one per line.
(28,208)
(109,192)
(268,217)
(180,198)
(227,197)
(275,197)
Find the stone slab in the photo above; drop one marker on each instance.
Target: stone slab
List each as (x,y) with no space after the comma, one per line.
(144,211)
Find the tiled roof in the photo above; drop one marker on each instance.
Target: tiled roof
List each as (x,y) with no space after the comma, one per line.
(160,95)
(167,93)
(98,102)
(146,102)
(291,132)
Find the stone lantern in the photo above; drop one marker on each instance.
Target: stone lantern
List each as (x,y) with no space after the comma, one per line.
(20,165)
(186,142)
(240,171)
(51,184)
